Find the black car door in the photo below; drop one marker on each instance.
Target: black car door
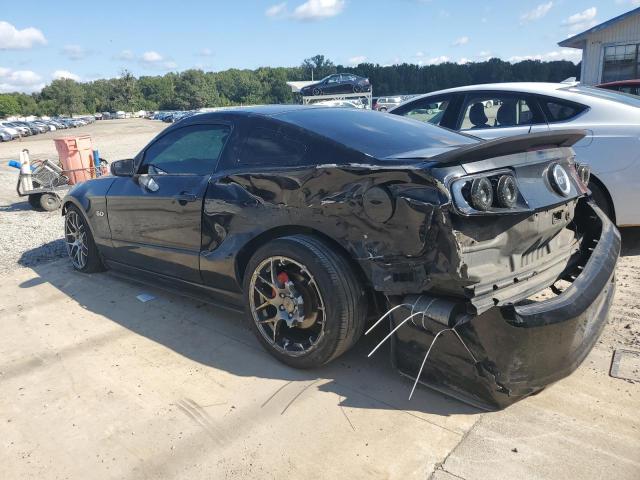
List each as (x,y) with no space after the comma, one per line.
(155,216)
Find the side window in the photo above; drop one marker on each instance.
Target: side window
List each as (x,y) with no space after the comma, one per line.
(431,111)
(190,150)
(333,79)
(266,146)
(496,111)
(560,111)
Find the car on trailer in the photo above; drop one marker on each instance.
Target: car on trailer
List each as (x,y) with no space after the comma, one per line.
(336,84)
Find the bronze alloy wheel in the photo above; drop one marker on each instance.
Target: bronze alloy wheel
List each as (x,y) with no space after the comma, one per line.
(286,306)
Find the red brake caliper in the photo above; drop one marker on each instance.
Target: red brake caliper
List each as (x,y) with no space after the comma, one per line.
(283,278)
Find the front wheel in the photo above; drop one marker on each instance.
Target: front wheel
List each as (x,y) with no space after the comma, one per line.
(81,247)
(306,304)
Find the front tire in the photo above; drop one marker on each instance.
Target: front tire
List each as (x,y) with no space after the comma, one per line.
(305,303)
(316,92)
(81,247)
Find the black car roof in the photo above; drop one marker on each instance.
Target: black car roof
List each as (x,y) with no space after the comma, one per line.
(373,133)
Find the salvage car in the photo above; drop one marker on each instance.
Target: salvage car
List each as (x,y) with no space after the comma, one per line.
(337,83)
(610,119)
(313,224)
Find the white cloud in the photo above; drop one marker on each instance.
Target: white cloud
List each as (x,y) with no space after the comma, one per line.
(19,81)
(58,74)
(463,60)
(74,52)
(438,60)
(153,59)
(357,60)
(633,3)
(570,54)
(461,41)
(206,52)
(581,21)
(277,10)
(537,13)
(125,55)
(318,9)
(13,39)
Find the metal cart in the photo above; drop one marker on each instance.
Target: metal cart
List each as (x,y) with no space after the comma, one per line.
(48,183)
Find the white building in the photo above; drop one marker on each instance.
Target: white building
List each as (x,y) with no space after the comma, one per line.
(611,50)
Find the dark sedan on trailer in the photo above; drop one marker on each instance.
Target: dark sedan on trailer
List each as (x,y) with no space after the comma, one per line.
(316,219)
(340,83)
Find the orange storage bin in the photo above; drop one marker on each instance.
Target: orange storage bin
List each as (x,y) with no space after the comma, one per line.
(76,157)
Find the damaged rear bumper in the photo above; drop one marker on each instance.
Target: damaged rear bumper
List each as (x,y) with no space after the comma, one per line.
(511,351)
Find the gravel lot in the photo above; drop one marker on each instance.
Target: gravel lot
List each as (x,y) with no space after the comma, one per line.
(30,238)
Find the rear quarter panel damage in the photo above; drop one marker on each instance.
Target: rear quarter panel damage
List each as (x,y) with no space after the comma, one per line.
(390,228)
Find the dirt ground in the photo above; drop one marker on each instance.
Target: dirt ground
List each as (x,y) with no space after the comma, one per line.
(96,384)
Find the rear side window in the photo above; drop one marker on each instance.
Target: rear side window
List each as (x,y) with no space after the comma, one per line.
(498,110)
(560,111)
(267,146)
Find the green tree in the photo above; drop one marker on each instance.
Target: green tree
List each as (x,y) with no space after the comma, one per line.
(317,67)
(194,90)
(8,105)
(67,96)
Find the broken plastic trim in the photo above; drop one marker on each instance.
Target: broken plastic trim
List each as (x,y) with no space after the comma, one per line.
(424,312)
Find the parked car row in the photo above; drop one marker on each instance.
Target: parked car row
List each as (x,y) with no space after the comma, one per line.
(11,130)
(171,116)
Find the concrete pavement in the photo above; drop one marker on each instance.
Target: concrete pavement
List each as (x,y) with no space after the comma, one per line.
(95,384)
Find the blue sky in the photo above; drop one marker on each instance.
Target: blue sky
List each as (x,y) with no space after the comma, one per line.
(41,40)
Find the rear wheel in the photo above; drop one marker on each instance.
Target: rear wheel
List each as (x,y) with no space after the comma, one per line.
(49,202)
(80,245)
(305,302)
(602,200)
(34,201)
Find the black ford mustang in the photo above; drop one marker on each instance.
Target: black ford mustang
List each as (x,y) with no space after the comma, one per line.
(316,219)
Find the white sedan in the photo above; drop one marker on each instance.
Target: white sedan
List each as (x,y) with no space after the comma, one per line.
(611,119)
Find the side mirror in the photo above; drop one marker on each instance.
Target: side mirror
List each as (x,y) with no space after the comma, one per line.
(122,168)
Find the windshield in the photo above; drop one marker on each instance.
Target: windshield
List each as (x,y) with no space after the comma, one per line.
(626,98)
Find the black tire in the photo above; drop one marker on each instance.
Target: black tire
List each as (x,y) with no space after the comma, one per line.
(382,109)
(356,89)
(34,201)
(93,262)
(49,202)
(316,92)
(602,200)
(345,304)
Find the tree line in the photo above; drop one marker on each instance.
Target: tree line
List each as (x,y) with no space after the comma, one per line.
(193,89)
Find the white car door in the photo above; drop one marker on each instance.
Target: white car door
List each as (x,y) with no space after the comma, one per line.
(492,115)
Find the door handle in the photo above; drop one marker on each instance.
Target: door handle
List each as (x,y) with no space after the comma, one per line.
(184,197)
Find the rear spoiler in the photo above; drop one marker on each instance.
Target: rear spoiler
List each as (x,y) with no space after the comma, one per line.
(509,145)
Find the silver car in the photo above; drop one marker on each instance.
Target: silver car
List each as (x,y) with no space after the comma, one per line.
(611,119)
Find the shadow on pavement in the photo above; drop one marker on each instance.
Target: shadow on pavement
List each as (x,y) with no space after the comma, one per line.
(16,207)
(214,336)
